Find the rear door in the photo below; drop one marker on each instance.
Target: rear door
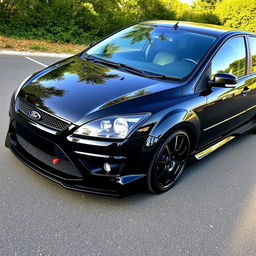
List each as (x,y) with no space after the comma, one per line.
(251,83)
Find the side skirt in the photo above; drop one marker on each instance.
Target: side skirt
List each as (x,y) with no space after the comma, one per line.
(239,131)
(209,150)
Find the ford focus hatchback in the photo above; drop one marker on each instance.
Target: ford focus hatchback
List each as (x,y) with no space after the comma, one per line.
(135,106)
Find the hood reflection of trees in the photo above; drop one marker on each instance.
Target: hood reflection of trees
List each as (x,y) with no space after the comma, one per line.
(87,72)
(37,93)
(91,73)
(130,96)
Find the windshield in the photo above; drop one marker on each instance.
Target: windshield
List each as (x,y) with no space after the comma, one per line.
(158,50)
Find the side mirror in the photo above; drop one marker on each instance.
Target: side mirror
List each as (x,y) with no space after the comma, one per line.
(224,80)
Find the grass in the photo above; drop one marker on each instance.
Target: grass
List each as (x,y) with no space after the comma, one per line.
(38,48)
(8,43)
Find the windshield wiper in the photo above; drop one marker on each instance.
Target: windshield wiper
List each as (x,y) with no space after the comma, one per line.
(148,74)
(110,63)
(115,64)
(130,68)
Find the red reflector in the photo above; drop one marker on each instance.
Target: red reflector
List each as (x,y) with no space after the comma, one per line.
(55,160)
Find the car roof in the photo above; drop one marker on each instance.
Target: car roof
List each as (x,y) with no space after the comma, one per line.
(210,29)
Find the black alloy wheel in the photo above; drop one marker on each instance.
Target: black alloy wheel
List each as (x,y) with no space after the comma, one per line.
(169,162)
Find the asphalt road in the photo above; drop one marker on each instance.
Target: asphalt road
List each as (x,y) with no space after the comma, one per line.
(211,211)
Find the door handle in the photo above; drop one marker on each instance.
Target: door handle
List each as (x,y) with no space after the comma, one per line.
(246,90)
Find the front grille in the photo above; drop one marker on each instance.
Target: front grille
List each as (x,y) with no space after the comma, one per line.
(63,167)
(46,119)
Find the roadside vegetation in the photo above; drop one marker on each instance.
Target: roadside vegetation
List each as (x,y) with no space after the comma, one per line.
(10,43)
(80,22)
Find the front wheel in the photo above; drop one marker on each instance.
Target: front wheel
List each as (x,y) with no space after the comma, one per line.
(169,162)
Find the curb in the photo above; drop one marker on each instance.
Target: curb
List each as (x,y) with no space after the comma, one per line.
(39,54)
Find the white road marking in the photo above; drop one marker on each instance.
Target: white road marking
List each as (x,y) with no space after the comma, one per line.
(36,62)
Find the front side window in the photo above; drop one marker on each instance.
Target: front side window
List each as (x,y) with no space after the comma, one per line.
(252,42)
(231,58)
(155,49)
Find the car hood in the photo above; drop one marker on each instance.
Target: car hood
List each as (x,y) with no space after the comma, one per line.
(74,87)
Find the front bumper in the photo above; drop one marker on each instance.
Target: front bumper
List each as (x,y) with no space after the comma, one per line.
(81,164)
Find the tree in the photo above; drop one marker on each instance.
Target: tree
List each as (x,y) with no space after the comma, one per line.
(179,9)
(85,21)
(203,11)
(237,14)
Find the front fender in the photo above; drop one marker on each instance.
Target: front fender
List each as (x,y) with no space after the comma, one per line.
(177,119)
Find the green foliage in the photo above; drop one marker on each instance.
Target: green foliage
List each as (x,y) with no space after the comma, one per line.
(36,47)
(85,21)
(238,14)
(203,11)
(53,20)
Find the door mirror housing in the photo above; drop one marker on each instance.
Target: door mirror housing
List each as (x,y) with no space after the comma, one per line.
(224,80)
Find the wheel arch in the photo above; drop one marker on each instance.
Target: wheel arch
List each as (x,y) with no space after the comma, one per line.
(180,119)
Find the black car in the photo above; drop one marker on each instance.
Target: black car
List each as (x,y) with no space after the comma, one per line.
(135,106)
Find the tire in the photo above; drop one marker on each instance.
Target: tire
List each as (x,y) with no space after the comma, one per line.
(168,162)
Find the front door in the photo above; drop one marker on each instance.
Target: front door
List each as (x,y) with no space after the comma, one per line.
(226,107)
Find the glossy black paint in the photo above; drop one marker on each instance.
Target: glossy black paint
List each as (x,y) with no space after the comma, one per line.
(225,80)
(79,91)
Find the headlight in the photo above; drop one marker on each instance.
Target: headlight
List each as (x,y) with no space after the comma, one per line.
(114,127)
(22,83)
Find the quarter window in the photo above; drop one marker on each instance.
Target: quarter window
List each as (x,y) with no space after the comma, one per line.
(252,41)
(231,58)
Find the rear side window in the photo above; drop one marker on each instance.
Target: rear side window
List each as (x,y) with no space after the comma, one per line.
(252,41)
(231,58)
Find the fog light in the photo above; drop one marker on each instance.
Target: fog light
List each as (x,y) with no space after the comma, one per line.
(107,167)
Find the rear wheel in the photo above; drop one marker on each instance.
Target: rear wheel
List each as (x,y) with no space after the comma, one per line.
(169,162)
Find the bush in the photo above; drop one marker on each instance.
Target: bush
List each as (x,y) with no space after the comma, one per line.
(84,21)
(238,14)
(73,21)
